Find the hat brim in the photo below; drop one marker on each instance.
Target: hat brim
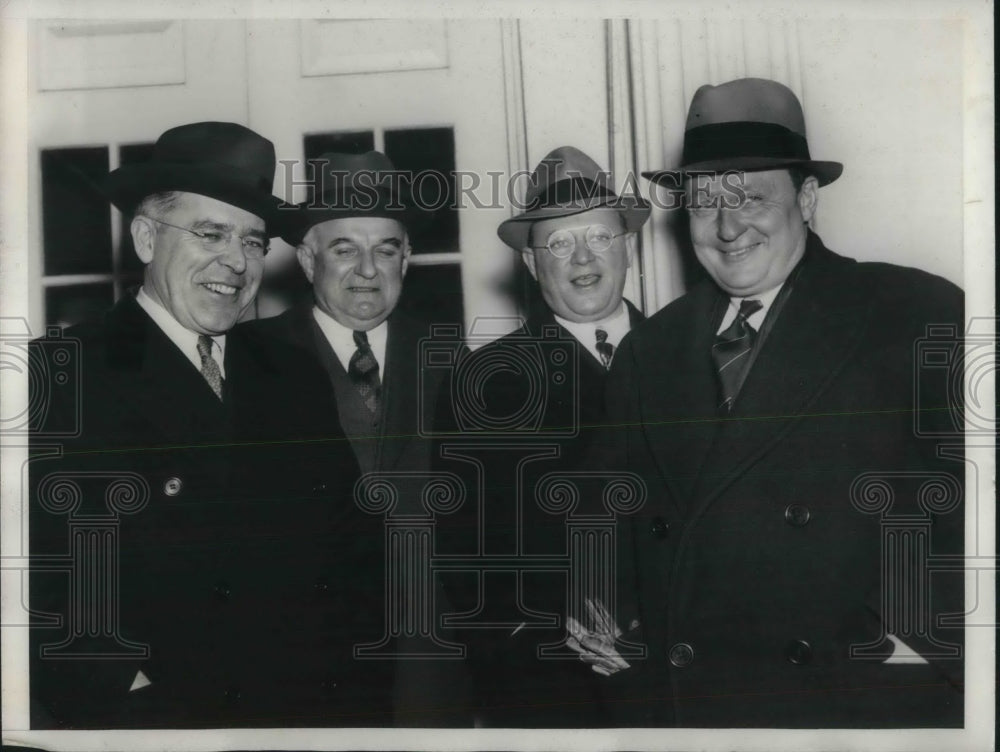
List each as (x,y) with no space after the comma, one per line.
(294,222)
(825,172)
(127,186)
(515,231)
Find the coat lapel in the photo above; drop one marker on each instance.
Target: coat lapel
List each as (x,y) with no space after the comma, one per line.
(817,329)
(400,387)
(169,391)
(678,394)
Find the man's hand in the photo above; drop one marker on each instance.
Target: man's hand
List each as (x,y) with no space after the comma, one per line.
(598,647)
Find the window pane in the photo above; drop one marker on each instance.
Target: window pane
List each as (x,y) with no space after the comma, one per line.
(76,227)
(434,293)
(65,306)
(130,263)
(429,155)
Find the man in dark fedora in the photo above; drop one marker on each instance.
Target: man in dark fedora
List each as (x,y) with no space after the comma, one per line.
(578,239)
(352,242)
(215,601)
(770,411)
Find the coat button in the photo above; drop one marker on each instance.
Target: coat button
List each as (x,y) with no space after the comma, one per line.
(319,488)
(659,527)
(329,684)
(798,652)
(321,585)
(797,515)
(232,694)
(681,654)
(221,590)
(172,487)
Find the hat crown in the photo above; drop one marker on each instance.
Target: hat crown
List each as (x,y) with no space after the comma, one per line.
(562,163)
(226,145)
(752,100)
(334,172)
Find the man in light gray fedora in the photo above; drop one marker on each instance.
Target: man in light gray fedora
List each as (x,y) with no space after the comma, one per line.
(767,410)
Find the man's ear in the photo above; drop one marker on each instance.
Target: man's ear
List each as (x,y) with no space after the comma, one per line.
(528,257)
(143,231)
(407,250)
(305,256)
(631,245)
(808,198)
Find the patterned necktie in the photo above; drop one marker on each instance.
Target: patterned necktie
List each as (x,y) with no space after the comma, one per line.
(731,352)
(363,370)
(604,348)
(209,368)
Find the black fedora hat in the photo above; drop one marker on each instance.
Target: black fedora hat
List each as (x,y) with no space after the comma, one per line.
(747,124)
(568,182)
(351,185)
(224,161)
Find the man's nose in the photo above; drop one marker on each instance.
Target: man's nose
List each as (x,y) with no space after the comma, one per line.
(581,252)
(729,224)
(234,256)
(366,265)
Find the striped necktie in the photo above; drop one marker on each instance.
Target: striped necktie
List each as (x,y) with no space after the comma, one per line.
(731,352)
(363,370)
(209,368)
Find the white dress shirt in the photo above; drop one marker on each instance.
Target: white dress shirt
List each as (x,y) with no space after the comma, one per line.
(185,340)
(616,325)
(341,339)
(757,318)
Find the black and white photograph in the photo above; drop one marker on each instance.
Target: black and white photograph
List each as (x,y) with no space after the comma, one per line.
(492,376)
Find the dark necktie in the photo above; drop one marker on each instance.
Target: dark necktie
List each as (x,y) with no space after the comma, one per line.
(363,370)
(209,368)
(604,348)
(731,352)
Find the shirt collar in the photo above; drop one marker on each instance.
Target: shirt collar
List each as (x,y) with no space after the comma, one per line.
(585,332)
(756,319)
(184,339)
(341,339)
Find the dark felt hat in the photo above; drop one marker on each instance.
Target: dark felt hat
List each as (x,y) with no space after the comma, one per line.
(224,161)
(564,183)
(352,185)
(747,124)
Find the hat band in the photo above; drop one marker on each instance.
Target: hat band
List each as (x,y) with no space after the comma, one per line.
(361,199)
(570,191)
(707,143)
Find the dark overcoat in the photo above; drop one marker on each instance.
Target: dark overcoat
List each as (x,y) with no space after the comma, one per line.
(245,576)
(780,536)
(396,446)
(544,393)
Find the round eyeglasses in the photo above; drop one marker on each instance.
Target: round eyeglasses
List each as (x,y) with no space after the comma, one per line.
(254,246)
(562,243)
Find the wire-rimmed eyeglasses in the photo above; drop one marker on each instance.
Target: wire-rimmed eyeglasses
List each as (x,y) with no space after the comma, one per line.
(562,243)
(254,246)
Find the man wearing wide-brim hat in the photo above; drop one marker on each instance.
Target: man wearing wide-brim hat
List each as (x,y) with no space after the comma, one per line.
(352,241)
(578,239)
(202,458)
(764,571)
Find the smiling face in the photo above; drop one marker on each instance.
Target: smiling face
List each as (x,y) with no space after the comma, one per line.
(356,267)
(584,286)
(750,243)
(206,291)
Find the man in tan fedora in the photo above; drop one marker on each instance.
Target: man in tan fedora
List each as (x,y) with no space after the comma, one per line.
(578,239)
(769,410)
(224,502)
